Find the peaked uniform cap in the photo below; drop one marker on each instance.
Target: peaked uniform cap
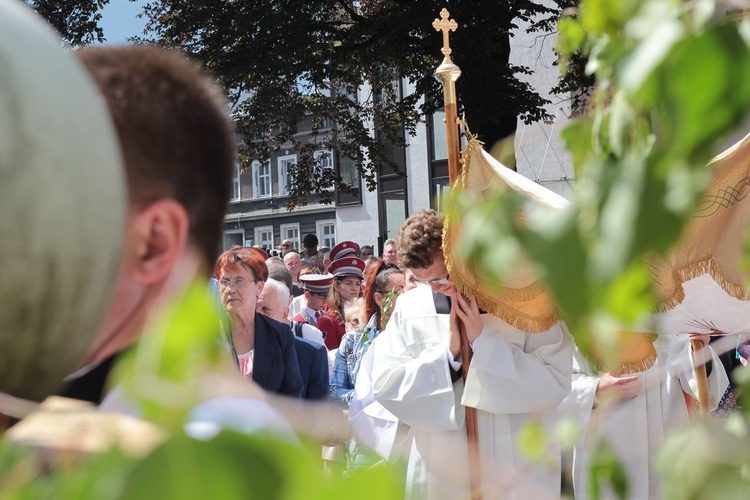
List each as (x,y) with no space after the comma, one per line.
(343,249)
(316,283)
(348,266)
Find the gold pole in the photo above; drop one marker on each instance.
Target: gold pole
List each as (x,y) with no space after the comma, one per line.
(448,73)
(701,377)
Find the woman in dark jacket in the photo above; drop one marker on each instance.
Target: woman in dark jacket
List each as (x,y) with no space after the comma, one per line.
(262,347)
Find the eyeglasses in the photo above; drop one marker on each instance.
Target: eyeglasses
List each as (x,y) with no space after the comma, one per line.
(439,281)
(285,246)
(236,284)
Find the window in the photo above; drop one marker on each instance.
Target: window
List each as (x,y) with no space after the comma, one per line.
(321,122)
(291,232)
(285,178)
(233,237)
(326,233)
(442,189)
(236,194)
(347,169)
(264,237)
(261,180)
(439,140)
(325,156)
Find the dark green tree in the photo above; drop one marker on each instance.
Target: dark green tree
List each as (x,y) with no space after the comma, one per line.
(77,21)
(287,61)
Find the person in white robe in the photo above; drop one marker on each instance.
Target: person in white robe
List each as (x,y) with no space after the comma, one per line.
(514,378)
(633,413)
(372,425)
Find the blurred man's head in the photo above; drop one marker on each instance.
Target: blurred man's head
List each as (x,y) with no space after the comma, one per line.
(286,246)
(310,244)
(389,252)
(178,146)
(293,264)
(366,252)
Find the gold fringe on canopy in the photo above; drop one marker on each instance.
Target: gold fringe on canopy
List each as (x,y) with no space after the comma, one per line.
(635,353)
(703,266)
(712,242)
(522,302)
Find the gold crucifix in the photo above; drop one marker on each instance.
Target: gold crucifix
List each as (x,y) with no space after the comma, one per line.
(445,25)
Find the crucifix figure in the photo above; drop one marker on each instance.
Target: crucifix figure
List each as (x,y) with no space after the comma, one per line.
(445,25)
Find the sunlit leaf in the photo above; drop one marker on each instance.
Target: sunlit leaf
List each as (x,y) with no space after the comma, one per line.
(533,441)
(177,348)
(571,36)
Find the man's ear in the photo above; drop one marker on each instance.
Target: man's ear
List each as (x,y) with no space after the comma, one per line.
(378,299)
(160,231)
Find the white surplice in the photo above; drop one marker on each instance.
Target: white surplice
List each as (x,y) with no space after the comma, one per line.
(514,378)
(635,428)
(372,425)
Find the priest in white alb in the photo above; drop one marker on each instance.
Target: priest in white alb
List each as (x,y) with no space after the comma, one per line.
(514,379)
(632,412)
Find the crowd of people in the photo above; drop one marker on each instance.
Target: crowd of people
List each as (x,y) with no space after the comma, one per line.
(376,336)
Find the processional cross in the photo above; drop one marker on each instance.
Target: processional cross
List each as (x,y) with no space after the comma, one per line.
(446,26)
(448,73)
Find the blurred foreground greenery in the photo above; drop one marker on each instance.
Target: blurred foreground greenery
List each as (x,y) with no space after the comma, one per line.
(163,379)
(672,82)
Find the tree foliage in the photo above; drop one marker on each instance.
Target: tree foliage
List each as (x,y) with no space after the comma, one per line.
(283,62)
(77,21)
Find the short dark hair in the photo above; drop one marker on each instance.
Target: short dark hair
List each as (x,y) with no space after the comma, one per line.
(310,240)
(420,240)
(175,134)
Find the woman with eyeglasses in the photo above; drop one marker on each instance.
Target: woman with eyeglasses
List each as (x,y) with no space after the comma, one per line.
(262,348)
(384,283)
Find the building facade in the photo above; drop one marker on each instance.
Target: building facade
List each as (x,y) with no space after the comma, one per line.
(258,215)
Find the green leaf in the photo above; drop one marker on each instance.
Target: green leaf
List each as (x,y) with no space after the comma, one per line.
(649,54)
(570,37)
(533,442)
(229,466)
(606,471)
(176,349)
(238,466)
(622,118)
(704,88)
(577,137)
(629,297)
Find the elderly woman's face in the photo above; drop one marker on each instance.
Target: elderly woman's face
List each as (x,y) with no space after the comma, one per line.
(239,290)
